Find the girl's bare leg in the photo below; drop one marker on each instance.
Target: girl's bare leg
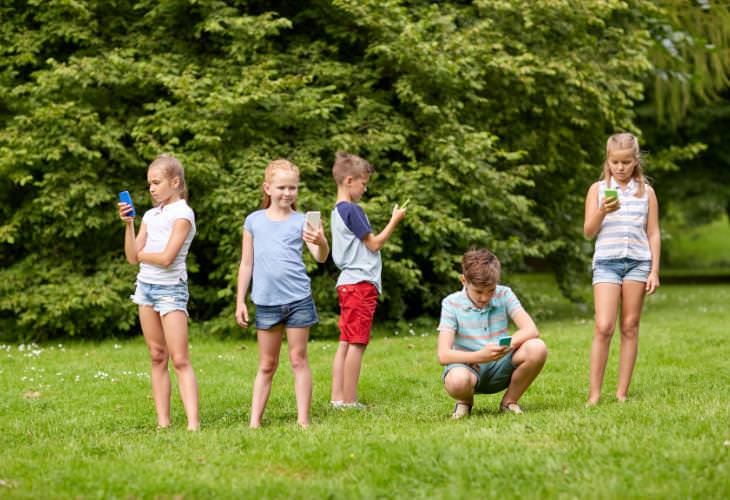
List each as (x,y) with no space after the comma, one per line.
(632,301)
(297,344)
(175,326)
(157,347)
(269,342)
(606,299)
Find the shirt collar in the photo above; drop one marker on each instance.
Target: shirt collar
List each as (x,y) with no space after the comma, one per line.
(470,305)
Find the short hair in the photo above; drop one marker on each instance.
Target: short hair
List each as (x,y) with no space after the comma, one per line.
(481,267)
(349,165)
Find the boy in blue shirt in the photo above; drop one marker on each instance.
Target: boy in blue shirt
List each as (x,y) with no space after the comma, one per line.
(472,321)
(356,252)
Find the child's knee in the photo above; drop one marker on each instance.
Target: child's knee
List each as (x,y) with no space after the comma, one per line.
(459,381)
(536,350)
(604,330)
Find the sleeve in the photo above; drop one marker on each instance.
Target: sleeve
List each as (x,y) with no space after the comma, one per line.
(448,322)
(511,302)
(355,219)
(187,214)
(248,223)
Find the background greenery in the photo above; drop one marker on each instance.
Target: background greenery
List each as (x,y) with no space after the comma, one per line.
(78,420)
(491,116)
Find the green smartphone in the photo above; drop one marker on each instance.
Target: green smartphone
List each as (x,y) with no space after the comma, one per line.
(505,341)
(610,193)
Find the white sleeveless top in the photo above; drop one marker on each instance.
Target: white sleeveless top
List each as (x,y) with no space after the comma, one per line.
(623,232)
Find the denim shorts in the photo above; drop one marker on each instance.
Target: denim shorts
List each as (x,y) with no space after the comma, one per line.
(297,314)
(492,377)
(618,270)
(163,298)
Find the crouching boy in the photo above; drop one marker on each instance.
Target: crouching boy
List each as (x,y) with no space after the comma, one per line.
(472,322)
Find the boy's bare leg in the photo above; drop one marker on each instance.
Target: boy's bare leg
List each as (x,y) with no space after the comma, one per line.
(269,342)
(460,383)
(338,372)
(529,359)
(353,362)
(297,344)
(606,298)
(175,325)
(632,301)
(155,339)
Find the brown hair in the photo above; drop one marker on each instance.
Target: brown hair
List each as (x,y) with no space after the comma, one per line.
(481,267)
(349,165)
(171,168)
(271,169)
(621,141)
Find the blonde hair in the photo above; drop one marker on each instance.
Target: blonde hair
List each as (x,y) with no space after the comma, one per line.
(625,140)
(349,165)
(481,267)
(271,169)
(171,168)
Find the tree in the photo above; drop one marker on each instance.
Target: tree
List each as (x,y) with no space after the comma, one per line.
(490,115)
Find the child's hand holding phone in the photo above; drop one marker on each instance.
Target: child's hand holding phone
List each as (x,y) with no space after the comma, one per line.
(126,207)
(610,201)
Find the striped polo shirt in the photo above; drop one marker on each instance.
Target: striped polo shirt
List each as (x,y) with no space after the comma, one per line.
(474,327)
(623,232)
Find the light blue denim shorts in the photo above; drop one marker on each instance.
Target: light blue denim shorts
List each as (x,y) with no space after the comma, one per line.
(163,298)
(618,270)
(492,377)
(298,314)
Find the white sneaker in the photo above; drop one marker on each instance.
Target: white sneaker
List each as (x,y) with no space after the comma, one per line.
(337,404)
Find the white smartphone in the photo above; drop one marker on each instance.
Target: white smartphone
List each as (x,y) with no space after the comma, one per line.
(314,219)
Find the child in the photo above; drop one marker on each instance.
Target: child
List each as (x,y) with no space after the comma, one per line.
(160,248)
(472,321)
(626,257)
(356,252)
(272,254)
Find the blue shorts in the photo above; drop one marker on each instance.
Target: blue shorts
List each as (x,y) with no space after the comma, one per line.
(492,377)
(163,298)
(298,314)
(618,270)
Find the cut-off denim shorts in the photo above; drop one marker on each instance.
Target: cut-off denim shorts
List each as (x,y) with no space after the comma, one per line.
(297,314)
(162,298)
(618,270)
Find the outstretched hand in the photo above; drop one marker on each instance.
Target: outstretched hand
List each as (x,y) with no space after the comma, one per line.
(399,213)
(314,235)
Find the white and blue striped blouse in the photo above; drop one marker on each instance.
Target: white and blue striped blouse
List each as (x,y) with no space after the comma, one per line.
(623,232)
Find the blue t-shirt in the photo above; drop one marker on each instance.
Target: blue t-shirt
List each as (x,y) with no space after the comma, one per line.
(357,263)
(279,275)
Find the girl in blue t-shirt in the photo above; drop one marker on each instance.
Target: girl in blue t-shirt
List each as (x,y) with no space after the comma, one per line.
(160,248)
(271,254)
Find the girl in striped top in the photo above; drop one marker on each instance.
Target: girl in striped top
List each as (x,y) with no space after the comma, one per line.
(622,213)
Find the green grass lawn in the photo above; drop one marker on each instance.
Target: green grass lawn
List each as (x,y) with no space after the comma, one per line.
(702,248)
(78,421)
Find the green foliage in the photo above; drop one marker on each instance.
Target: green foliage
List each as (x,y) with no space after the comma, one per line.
(491,116)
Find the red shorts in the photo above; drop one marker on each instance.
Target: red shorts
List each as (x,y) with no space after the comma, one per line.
(357,308)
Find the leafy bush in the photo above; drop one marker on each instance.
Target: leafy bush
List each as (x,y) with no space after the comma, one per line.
(490,116)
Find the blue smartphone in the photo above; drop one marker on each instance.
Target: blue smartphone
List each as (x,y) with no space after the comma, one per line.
(505,341)
(124,197)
